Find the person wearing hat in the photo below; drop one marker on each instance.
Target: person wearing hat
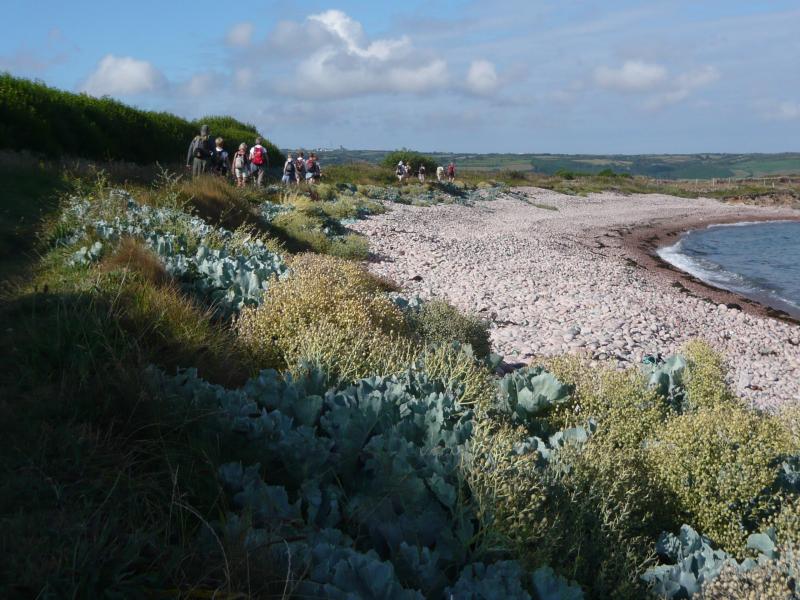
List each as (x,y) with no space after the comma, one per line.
(199,155)
(241,165)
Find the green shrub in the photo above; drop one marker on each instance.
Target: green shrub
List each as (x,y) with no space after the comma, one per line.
(325,192)
(437,322)
(351,207)
(308,227)
(457,368)
(716,462)
(409,157)
(345,353)
(626,411)
(545,515)
(705,381)
(321,290)
(352,246)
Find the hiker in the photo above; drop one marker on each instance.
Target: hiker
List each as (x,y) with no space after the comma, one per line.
(400,172)
(259,162)
(219,158)
(312,169)
(300,167)
(199,154)
(289,171)
(421,173)
(439,173)
(240,166)
(451,172)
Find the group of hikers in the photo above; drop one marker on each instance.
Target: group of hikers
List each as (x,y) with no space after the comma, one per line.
(252,163)
(301,169)
(246,163)
(404,171)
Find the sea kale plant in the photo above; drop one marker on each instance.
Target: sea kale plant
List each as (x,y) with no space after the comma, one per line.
(229,269)
(355,490)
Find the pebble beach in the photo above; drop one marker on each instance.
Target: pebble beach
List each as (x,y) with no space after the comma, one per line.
(557,274)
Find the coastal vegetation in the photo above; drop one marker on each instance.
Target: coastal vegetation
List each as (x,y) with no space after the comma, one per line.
(57,124)
(207,394)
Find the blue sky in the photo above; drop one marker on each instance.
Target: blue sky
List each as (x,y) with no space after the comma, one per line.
(572,76)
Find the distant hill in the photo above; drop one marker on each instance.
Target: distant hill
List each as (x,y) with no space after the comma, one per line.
(662,166)
(55,123)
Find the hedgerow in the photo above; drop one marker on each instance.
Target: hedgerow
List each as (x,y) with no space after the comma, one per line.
(57,124)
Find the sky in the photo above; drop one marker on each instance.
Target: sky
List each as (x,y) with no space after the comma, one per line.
(539,76)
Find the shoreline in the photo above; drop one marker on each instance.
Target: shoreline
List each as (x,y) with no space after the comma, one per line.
(566,275)
(643,245)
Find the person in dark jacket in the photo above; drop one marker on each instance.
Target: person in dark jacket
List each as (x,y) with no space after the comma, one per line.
(200,153)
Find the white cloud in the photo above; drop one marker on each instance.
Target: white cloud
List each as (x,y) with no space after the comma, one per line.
(122,75)
(653,80)
(243,77)
(633,76)
(681,87)
(482,77)
(200,84)
(240,35)
(343,62)
(784,111)
(698,78)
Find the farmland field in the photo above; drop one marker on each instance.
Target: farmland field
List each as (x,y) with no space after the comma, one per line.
(662,166)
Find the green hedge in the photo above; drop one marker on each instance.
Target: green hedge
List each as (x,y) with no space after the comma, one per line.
(415,159)
(55,123)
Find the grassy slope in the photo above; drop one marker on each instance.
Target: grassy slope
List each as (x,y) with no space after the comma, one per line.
(101,470)
(29,195)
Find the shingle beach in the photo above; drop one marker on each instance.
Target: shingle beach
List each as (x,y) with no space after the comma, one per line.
(562,274)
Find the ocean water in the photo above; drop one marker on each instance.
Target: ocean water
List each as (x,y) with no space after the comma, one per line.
(758,260)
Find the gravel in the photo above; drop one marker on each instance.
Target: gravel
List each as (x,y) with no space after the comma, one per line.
(548,287)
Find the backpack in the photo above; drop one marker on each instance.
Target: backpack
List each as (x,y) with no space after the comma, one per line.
(220,158)
(201,149)
(300,165)
(258,156)
(288,168)
(239,161)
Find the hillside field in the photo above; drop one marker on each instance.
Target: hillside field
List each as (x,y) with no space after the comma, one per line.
(661,166)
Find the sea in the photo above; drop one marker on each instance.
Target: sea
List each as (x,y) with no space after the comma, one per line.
(760,261)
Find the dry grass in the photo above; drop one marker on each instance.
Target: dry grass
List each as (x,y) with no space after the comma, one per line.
(217,201)
(133,257)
